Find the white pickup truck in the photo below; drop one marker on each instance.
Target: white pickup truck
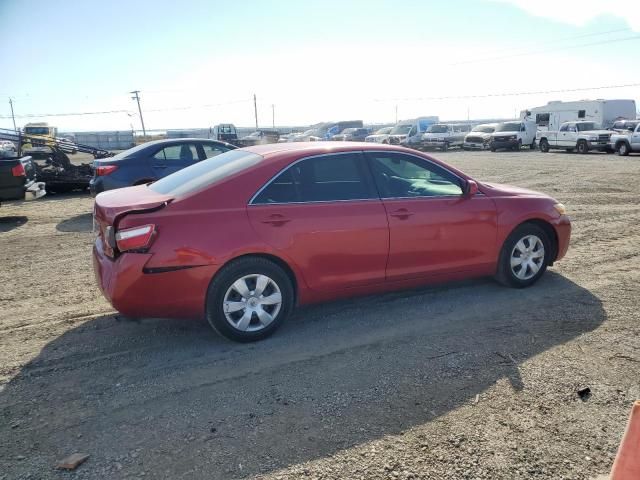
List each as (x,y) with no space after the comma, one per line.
(581,136)
(627,142)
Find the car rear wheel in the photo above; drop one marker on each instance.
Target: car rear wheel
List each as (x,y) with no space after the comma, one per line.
(623,149)
(533,145)
(544,145)
(524,256)
(249,299)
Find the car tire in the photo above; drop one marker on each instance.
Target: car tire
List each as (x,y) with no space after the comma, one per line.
(622,149)
(533,145)
(518,147)
(582,147)
(544,145)
(258,284)
(445,146)
(493,149)
(527,241)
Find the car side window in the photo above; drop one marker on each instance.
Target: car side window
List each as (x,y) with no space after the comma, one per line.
(213,150)
(404,176)
(572,128)
(185,152)
(563,128)
(320,179)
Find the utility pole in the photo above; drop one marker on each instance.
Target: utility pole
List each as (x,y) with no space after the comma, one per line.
(273,116)
(255,109)
(13,117)
(136,97)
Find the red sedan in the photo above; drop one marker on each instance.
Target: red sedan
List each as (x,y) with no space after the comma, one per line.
(243,237)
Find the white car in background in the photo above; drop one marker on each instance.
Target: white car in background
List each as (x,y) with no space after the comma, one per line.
(379,136)
(308,136)
(478,138)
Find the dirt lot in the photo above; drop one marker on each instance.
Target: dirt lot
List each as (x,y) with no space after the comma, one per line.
(465,381)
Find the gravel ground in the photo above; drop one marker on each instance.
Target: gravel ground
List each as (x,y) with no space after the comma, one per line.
(464,381)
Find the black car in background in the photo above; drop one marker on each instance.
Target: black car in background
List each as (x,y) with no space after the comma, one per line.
(151,161)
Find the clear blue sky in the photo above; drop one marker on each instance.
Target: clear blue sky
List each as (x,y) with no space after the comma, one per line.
(198,63)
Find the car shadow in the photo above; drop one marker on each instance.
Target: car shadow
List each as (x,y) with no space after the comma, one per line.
(78,223)
(173,399)
(9,223)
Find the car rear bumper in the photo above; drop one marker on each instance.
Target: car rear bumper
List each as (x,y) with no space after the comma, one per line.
(136,292)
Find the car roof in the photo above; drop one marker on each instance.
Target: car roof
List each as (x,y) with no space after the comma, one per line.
(317,148)
(186,139)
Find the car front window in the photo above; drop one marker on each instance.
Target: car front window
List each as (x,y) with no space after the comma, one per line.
(403,176)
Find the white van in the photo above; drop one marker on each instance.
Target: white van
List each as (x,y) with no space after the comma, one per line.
(513,135)
(409,132)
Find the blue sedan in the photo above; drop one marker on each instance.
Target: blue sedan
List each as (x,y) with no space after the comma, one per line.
(151,161)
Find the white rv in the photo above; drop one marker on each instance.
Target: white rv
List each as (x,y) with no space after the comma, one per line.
(601,112)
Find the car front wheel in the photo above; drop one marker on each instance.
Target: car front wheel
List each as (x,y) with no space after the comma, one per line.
(524,256)
(249,299)
(623,149)
(583,147)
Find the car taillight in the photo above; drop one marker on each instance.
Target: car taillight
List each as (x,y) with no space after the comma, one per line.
(18,171)
(135,239)
(103,170)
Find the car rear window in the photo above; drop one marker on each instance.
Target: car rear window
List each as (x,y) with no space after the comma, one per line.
(205,173)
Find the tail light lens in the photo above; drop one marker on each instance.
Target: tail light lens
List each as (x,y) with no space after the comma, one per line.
(102,170)
(18,171)
(136,238)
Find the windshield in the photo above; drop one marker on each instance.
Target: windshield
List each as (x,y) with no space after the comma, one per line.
(205,173)
(384,131)
(508,127)
(438,129)
(349,130)
(401,129)
(583,127)
(256,134)
(37,130)
(484,129)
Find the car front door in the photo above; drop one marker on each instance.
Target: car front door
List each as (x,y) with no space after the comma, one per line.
(433,227)
(324,214)
(635,139)
(172,158)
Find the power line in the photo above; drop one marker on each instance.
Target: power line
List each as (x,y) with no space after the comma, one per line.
(558,40)
(105,112)
(73,114)
(552,50)
(508,94)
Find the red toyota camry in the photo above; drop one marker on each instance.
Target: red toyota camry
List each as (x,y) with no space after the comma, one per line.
(243,237)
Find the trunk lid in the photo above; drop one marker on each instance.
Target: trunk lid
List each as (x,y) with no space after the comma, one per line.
(111,206)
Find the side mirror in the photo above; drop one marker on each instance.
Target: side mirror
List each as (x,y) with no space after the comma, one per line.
(472,188)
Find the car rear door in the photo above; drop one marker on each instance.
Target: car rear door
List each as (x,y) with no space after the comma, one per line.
(172,158)
(324,214)
(433,227)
